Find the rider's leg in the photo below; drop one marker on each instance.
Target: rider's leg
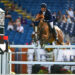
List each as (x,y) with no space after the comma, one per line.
(53,30)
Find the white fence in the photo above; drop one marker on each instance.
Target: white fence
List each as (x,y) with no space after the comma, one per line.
(46,46)
(70,47)
(5,64)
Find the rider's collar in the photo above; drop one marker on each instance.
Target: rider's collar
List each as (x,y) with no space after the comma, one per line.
(44,13)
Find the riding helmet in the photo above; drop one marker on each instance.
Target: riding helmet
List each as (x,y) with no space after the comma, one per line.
(43,5)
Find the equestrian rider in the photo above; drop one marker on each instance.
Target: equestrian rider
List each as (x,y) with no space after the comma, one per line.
(48,17)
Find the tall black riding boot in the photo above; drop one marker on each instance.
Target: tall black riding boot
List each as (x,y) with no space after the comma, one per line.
(55,34)
(50,29)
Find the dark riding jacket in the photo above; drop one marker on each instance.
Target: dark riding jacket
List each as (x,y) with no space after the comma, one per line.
(48,16)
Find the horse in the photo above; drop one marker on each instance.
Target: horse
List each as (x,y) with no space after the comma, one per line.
(44,34)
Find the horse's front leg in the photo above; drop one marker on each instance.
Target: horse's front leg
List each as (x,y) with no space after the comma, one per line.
(43,40)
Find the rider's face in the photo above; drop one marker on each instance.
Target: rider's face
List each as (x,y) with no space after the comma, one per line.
(43,9)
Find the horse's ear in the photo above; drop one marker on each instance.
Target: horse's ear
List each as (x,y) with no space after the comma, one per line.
(41,21)
(37,15)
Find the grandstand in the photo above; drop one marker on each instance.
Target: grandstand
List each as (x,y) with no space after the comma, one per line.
(27,10)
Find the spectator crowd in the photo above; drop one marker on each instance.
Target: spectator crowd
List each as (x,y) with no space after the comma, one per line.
(18,24)
(68,17)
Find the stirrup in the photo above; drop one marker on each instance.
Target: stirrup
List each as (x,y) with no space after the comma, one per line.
(56,39)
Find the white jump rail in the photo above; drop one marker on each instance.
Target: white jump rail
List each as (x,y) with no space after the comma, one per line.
(39,62)
(46,46)
(45,63)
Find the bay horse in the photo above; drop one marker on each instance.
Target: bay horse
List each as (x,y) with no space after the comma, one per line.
(44,34)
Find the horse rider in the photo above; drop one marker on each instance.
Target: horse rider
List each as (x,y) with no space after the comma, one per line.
(49,18)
